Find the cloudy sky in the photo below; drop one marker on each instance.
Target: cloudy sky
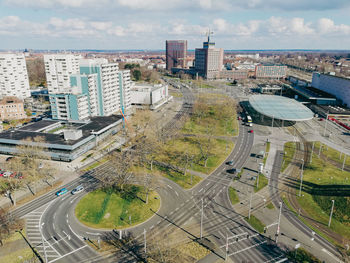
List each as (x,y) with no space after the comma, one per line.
(146,24)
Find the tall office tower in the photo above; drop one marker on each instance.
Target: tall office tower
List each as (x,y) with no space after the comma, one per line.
(125,90)
(13,76)
(176,53)
(209,60)
(58,68)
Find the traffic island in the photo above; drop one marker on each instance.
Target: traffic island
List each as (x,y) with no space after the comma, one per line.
(117,208)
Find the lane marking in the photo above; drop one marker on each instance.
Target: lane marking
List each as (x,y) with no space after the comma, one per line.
(68,254)
(176,193)
(96,234)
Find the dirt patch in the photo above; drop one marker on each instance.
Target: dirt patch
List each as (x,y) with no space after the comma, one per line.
(107,215)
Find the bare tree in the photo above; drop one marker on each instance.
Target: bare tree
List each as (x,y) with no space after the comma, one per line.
(31,152)
(120,163)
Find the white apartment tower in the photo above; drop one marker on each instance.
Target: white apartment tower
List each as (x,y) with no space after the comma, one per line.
(58,68)
(125,85)
(13,76)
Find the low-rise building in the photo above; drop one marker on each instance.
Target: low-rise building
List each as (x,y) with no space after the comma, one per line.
(150,95)
(273,71)
(61,140)
(11,108)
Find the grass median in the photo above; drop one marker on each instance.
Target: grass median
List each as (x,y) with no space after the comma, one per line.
(255,223)
(233,195)
(109,208)
(289,151)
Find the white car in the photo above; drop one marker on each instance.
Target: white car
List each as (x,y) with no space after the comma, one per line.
(7,174)
(77,190)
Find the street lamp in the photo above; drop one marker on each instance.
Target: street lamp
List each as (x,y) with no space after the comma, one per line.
(301,176)
(325,125)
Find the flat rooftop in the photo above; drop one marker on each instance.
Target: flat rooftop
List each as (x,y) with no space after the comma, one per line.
(38,126)
(30,131)
(281,108)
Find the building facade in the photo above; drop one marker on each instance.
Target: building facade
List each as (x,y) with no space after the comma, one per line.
(13,76)
(97,88)
(176,53)
(209,60)
(69,106)
(150,95)
(125,85)
(337,86)
(58,69)
(107,83)
(11,108)
(270,71)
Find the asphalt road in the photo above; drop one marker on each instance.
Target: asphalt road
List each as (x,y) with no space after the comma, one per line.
(59,236)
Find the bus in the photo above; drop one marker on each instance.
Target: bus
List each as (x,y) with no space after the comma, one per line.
(249,119)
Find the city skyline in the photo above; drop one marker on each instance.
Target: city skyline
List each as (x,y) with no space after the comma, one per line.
(133,24)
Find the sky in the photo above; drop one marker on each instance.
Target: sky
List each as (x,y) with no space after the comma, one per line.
(146,24)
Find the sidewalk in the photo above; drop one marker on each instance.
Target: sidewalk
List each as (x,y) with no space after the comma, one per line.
(65,171)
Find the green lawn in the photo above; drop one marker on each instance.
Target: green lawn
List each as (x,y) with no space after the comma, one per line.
(263,181)
(178,177)
(270,206)
(322,183)
(331,153)
(255,223)
(106,208)
(174,152)
(218,116)
(233,195)
(289,150)
(267,150)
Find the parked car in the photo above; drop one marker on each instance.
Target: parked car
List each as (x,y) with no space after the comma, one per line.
(62,191)
(77,190)
(7,174)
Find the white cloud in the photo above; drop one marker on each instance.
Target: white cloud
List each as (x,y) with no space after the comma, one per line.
(269,31)
(192,5)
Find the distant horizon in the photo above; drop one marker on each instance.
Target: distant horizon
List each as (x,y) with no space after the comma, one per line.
(163,50)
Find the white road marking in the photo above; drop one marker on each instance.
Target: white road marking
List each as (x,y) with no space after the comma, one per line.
(170,187)
(244,249)
(176,193)
(96,234)
(67,254)
(200,190)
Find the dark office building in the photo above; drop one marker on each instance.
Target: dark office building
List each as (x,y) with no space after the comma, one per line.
(176,53)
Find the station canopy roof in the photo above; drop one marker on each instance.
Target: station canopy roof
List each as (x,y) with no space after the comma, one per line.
(281,108)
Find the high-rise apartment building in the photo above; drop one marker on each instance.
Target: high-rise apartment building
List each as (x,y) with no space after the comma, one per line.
(98,88)
(209,60)
(107,74)
(58,68)
(125,85)
(13,76)
(176,53)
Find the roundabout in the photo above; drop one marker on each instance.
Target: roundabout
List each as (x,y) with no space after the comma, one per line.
(117,209)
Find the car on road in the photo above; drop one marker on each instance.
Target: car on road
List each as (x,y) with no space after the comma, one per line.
(250,131)
(230,163)
(232,171)
(77,190)
(62,191)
